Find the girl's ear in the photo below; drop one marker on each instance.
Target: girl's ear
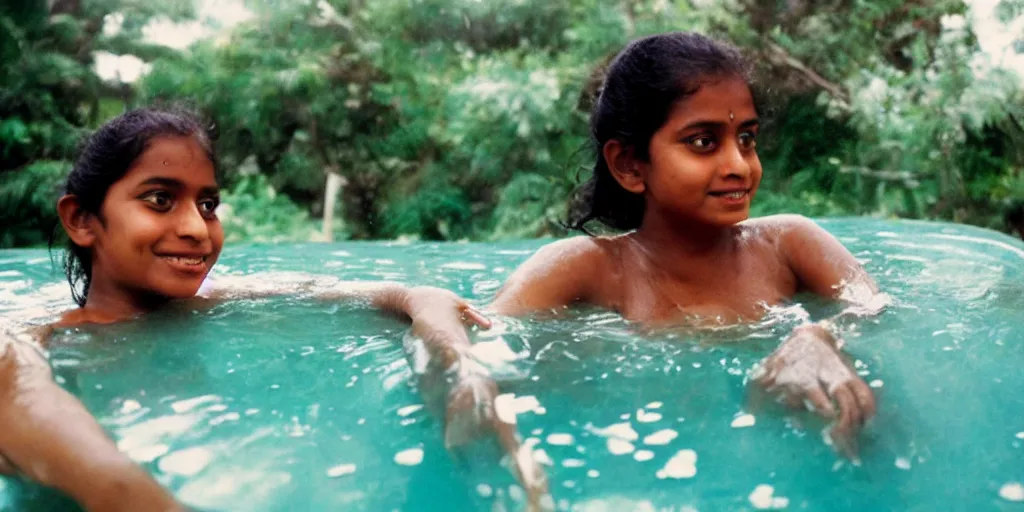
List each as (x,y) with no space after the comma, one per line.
(630,172)
(75,221)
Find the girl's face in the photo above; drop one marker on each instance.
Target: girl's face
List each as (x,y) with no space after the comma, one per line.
(158,234)
(703,165)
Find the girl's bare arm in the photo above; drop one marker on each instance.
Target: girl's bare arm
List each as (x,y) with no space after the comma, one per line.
(49,436)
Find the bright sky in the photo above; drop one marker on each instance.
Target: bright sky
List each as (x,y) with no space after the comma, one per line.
(217,16)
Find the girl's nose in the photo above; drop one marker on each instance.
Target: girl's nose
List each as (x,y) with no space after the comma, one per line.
(191,224)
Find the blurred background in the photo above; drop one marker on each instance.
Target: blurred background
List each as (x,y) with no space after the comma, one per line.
(467,119)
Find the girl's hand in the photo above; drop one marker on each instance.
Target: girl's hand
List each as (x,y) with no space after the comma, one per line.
(808,369)
(437,304)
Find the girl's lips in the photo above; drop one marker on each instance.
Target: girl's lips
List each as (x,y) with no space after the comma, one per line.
(186,264)
(734,197)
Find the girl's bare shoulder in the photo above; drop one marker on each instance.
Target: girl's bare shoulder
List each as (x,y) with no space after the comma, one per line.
(579,254)
(774,229)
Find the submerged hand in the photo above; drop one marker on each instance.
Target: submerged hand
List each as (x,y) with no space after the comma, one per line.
(474,410)
(809,369)
(469,411)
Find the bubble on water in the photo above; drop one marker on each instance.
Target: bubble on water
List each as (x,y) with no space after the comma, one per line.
(763,498)
(643,455)
(484,490)
(743,421)
(682,465)
(620,447)
(560,439)
(341,470)
(409,457)
(573,463)
(409,409)
(661,437)
(593,473)
(877,383)
(654,405)
(1012,491)
(903,463)
(1020,435)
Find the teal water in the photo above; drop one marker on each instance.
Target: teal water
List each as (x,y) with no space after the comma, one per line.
(285,404)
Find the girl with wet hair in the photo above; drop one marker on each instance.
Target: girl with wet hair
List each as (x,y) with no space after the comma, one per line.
(140,214)
(674,130)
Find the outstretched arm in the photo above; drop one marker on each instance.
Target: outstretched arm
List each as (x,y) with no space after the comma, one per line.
(438,316)
(49,436)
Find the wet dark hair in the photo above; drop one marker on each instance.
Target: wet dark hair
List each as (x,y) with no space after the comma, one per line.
(642,84)
(1014,218)
(106,156)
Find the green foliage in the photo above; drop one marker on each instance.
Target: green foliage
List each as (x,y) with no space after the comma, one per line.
(452,119)
(28,201)
(50,96)
(252,210)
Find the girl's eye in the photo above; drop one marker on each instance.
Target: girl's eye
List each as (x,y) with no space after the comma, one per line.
(159,199)
(209,206)
(701,143)
(748,140)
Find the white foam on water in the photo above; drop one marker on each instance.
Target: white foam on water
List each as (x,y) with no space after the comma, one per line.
(743,421)
(654,405)
(409,409)
(620,447)
(187,462)
(464,265)
(1012,491)
(593,473)
(573,463)
(902,463)
(763,498)
(682,465)
(560,439)
(661,437)
(130,406)
(623,431)
(148,453)
(409,457)
(643,455)
(542,457)
(647,417)
(182,406)
(341,470)
(484,490)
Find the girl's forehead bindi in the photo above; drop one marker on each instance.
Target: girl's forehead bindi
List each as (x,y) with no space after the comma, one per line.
(723,100)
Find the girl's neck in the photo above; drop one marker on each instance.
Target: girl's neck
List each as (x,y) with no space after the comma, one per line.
(106,302)
(675,246)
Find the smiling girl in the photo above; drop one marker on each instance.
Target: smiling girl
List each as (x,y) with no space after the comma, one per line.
(674,130)
(139,211)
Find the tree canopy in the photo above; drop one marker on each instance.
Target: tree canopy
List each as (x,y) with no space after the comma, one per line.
(452,119)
